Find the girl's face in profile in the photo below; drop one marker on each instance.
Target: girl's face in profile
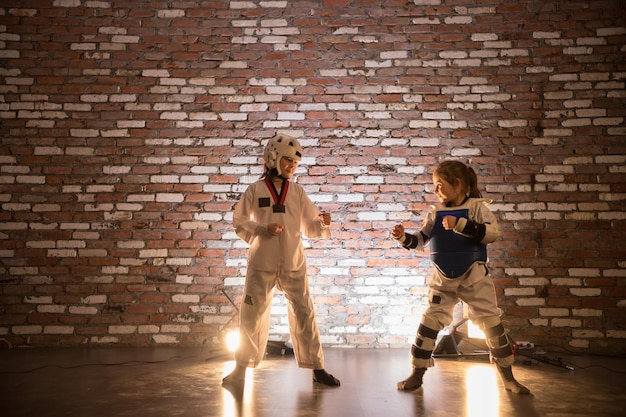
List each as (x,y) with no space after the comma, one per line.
(288,167)
(449,194)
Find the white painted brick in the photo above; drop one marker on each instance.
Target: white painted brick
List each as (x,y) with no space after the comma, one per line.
(371,216)
(77,226)
(458,20)
(530,302)
(584,272)
(482,37)
(484,53)
(234,116)
(467,62)
(83,310)
(437,115)
(587,334)
(16,207)
(104,340)
(533,282)
(566,323)
(62,253)
(30,179)
(24,330)
(186,298)
(370,179)
(576,123)
(514,52)
(94,299)
(585,292)
(538,322)
(617,334)
(512,123)
(175,328)
(519,291)
(539,70)
(518,272)
(122,329)
(547,216)
(178,261)
(98,207)
(38,299)
(153,253)
(70,244)
(194,179)
(353,197)
(608,121)
(170,198)
(453,54)
(148,329)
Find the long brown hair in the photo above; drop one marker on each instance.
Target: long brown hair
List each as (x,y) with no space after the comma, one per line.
(270,173)
(453,170)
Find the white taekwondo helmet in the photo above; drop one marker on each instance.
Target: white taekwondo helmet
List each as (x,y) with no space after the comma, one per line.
(279,146)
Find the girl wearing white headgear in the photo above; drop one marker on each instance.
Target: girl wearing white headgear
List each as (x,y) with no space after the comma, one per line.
(271,217)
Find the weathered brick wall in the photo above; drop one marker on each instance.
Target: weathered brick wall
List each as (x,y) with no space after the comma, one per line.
(130,128)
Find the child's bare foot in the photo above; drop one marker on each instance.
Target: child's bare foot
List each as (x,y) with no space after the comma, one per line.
(236,379)
(510,383)
(414,381)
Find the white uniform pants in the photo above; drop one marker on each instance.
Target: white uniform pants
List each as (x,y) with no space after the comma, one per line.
(255,318)
(475,288)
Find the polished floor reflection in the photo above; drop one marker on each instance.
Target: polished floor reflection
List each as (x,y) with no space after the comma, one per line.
(168,382)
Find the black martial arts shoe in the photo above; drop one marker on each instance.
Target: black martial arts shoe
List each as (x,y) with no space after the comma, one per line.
(323,377)
(414,381)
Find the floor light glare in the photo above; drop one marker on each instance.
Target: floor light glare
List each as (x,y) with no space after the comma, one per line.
(481,385)
(232,340)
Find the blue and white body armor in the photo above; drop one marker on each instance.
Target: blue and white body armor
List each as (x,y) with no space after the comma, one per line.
(451,252)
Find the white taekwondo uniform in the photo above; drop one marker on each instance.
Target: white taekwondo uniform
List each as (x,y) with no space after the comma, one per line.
(277,261)
(460,274)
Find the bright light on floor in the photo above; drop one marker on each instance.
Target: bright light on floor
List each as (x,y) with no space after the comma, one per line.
(232,340)
(481,386)
(239,403)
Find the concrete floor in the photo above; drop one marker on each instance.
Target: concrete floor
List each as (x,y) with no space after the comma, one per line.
(166,382)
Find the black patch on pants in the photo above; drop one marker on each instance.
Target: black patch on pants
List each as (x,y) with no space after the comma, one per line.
(436,299)
(248,300)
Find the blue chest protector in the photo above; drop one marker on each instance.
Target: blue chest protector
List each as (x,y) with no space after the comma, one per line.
(451,252)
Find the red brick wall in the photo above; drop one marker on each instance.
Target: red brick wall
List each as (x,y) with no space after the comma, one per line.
(129,129)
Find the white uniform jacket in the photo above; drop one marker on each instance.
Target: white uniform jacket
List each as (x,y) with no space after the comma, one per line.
(285,252)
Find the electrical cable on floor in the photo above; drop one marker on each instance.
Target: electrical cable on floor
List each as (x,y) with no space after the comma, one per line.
(558,361)
(578,353)
(476,345)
